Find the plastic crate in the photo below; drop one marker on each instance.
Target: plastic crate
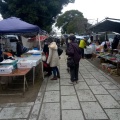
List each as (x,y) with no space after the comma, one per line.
(10,62)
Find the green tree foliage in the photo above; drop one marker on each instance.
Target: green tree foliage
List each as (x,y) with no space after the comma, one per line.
(72,21)
(39,12)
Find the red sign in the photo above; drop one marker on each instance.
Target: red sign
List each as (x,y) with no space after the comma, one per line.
(42,37)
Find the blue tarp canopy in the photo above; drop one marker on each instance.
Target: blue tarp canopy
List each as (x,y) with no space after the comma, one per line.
(14,25)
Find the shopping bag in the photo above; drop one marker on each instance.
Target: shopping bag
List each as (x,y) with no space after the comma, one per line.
(43,58)
(70,62)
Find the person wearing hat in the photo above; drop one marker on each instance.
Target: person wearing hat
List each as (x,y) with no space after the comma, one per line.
(73,51)
(53,60)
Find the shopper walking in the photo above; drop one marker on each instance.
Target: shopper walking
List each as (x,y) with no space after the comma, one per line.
(82,45)
(74,52)
(53,60)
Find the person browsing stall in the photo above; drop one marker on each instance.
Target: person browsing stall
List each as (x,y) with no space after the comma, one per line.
(73,52)
(53,60)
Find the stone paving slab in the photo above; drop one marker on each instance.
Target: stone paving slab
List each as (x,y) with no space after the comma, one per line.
(51,96)
(107,101)
(92,82)
(53,81)
(64,71)
(65,76)
(69,102)
(98,89)
(65,82)
(52,86)
(35,111)
(81,86)
(50,111)
(82,71)
(87,75)
(114,114)
(115,94)
(72,115)
(110,85)
(93,111)
(96,74)
(24,104)
(80,78)
(101,78)
(39,98)
(14,112)
(67,90)
(85,95)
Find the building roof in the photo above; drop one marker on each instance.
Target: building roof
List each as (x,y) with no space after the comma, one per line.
(107,25)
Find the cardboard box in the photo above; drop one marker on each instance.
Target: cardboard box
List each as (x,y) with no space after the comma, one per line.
(25,64)
(6,69)
(35,62)
(10,62)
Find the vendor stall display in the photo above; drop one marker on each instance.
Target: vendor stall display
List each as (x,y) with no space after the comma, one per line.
(24,64)
(88,52)
(34,52)
(113,61)
(14,25)
(6,69)
(9,62)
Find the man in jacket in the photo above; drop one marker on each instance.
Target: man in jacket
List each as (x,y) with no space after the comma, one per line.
(74,52)
(82,45)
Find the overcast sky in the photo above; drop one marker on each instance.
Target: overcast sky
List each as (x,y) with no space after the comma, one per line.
(93,9)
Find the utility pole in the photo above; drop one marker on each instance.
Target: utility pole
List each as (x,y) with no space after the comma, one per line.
(97,20)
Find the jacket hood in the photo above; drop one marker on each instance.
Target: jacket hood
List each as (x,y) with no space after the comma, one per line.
(53,46)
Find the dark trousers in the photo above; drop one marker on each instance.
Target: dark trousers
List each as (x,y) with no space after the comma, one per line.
(74,73)
(55,71)
(82,52)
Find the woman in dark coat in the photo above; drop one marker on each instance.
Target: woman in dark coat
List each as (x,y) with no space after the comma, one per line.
(74,52)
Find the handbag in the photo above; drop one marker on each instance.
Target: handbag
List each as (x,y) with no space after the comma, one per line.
(70,62)
(60,51)
(43,58)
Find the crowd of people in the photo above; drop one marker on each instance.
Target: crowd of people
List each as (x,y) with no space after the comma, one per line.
(75,52)
(51,63)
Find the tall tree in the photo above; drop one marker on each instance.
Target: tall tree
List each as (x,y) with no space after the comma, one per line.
(72,21)
(39,12)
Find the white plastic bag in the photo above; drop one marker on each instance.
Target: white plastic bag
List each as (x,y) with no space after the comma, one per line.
(43,58)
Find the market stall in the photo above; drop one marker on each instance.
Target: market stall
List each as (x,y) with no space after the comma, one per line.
(109,54)
(110,62)
(16,26)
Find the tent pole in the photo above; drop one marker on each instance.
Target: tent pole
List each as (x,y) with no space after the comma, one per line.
(39,41)
(41,55)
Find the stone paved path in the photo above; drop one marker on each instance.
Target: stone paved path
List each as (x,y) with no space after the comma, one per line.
(95,97)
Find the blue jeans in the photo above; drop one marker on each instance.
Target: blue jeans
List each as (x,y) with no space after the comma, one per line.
(55,71)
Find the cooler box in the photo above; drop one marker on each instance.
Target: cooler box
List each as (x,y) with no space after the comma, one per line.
(6,69)
(10,62)
(35,62)
(25,64)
